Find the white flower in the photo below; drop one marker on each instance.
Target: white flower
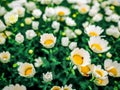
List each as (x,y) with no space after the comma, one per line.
(70,22)
(73,45)
(101,82)
(62,11)
(2,39)
(48,77)
(98,17)
(113,31)
(46,1)
(80,57)
(85,70)
(14,87)
(49,12)
(69,33)
(35,25)
(98,45)
(48,40)
(56,25)
(94,10)
(92,30)
(2,11)
(28,21)
(10,18)
(26,70)
(30,6)
(2,26)
(65,41)
(19,38)
(108,11)
(112,67)
(115,17)
(108,54)
(37,13)
(78,32)
(38,62)
(67,87)
(5,57)
(30,34)
(20,11)
(57,1)
(98,72)
(83,9)
(72,1)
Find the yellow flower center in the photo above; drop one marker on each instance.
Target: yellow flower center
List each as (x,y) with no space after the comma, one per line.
(96,46)
(61,13)
(113,71)
(99,81)
(28,71)
(12,18)
(56,88)
(100,72)
(93,34)
(83,10)
(5,57)
(78,60)
(85,70)
(48,42)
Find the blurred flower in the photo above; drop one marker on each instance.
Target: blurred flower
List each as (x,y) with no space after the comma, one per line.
(38,62)
(80,57)
(98,45)
(62,11)
(30,6)
(67,87)
(57,1)
(10,18)
(49,12)
(2,11)
(98,72)
(112,67)
(28,21)
(78,32)
(14,87)
(26,70)
(46,1)
(70,22)
(35,25)
(20,11)
(83,9)
(48,77)
(5,57)
(37,13)
(98,17)
(92,30)
(55,88)
(19,38)
(108,54)
(72,45)
(56,25)
(30,34)
(65,41)
(101,82)
(113,31)
(48,40)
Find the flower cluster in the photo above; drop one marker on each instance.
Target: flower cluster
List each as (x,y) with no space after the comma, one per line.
(59,44)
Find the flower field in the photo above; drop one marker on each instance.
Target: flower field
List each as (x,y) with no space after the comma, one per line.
(60,44)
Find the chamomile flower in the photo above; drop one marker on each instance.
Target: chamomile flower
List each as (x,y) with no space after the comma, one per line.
(26,70)
(98,72)
(62,11)
(101,82)
(98,45)
(48,40)
(83,9)
(93,30)
(80,57)
(5,57)
(112,67)
(14,87)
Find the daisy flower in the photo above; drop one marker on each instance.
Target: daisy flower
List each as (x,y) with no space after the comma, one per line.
(26,70)
(80,57)
(48,40)
(98,45)
(112,67)
(93,30)
(5,57)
